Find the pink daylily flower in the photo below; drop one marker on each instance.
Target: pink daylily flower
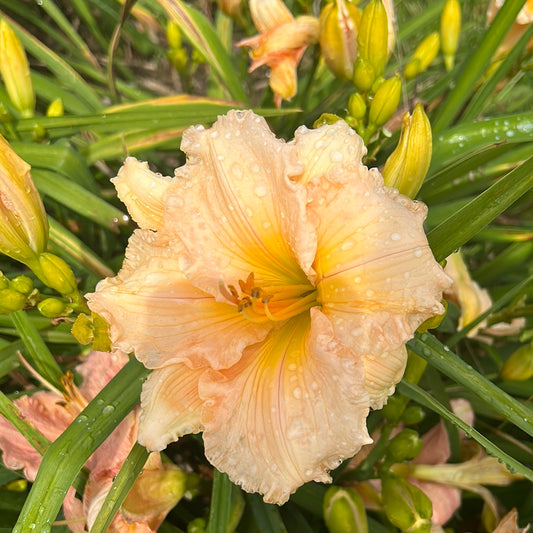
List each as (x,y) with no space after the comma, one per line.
(271,287)
(51,413)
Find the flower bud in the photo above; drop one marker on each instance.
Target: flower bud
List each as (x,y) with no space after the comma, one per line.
(405,505)
(52,308)
(173,34)
(22,284)
(11,300)
(450,26)
(519,366)
(155,492)
(356,106)
(406,167)
(339,21)
(55,109)
(385,102)
(16,71)
(372,39)
(178,58)
(425,53)
(364,75)
(413,415)
(232,8)
(344,511)
(23,223)
(56,274)
(404,446)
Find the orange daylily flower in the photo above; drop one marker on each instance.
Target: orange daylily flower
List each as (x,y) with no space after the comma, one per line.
(271,287)
(280,45)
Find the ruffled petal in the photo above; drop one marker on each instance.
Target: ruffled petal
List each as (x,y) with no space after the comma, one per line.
(293,408)
(234,208)
(143,192)
(170,406)
(377,278)
(154,311)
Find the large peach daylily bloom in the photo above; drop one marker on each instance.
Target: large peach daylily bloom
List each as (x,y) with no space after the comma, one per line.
(280,45)
(271,287)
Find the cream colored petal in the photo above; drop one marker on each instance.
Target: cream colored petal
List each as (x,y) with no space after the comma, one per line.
(293,408)
(377,278)
(155,312)
(170,406)
(143,192)
(234,208)
(268,14)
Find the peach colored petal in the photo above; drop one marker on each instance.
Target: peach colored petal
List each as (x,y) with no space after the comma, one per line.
(143,192)
(98,369)
(156,312)
(377,278)
(171,406)
(234,208)
(284,79)
(293,408)
(74,513)
(268,14)
(44,411)
(436,446)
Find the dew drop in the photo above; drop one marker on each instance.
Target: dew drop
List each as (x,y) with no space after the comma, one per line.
(297,393)
(108,409)
(261,190)
(336,157)
(417,252)
(395,237)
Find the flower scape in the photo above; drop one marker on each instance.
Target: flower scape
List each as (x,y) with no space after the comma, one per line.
(271,288)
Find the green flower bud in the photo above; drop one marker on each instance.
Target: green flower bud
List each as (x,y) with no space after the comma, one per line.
(413,415)
(56,274)
(404,446)
(356,106)
(15,71)
(364,75)
(11,300)
(22,284)
(373,36)
(339,21)
(344,511)
(198,525)
(519,366)
(385,102)
(326,118)
(450,27)
(405,505)
(425,53)
(52,308)
(406,167)
(55,109)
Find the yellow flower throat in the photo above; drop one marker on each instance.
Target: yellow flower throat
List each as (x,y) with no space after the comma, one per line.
(274,303)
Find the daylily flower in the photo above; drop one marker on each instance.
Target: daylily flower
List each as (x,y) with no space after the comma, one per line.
(280,45)
(51,413)
(271,287)
(524,18)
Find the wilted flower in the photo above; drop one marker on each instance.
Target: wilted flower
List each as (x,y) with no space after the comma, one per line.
(523,20)
(51,413)
(509,524)
(272,287)
(280,45)
(23,223)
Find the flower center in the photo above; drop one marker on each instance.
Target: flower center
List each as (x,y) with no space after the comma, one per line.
(274,303)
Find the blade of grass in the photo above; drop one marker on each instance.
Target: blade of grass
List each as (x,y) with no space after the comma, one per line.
(423,398)
(475,66)
(266,516)
(220,512)
(129,471)
(66,456)
(444,360)
(461,226)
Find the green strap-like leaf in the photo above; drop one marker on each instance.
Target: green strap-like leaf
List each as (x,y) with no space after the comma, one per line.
(423,398)
(461,226)
(442,358)
(66,456)
(474,68)
(220,513)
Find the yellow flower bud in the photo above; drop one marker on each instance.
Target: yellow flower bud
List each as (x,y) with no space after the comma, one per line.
(385,101)
(356,106)
(16,71)
(364,75)
(344,511)
(406,167)
(56,274)
(52,308)
(173,34)
(339,21)
(425,53)
(450,26)
(55,109)
(372,39)
(22,284)
(11,300)
(232,8)
(519,366)
(23,223)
